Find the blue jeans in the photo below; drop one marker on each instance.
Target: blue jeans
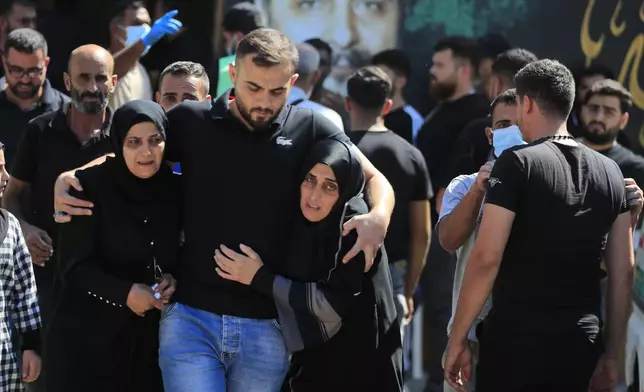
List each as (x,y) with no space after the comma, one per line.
(203,351)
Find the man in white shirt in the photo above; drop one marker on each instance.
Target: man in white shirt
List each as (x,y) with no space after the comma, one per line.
(308,69)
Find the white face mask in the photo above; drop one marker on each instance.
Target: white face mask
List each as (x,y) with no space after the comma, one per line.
(135,33)
(505,138)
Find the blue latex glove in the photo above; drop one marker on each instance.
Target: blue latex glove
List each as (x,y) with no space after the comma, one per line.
(162,26)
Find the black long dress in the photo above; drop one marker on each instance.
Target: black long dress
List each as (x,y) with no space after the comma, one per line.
(96,343)
(339,323)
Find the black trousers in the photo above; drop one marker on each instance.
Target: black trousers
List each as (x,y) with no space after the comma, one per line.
(555,362)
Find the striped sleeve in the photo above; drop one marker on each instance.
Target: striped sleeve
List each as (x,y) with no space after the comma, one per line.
(26,313)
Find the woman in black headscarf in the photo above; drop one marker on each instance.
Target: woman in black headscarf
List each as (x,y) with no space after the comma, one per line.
(338,321)
(114,266)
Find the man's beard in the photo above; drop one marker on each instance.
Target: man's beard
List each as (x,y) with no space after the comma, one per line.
(442,90)
(89,107)
(268,114)
(608,136)
(24,94)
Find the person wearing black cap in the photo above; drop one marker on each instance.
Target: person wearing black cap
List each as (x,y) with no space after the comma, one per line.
(339,323)
(104,330)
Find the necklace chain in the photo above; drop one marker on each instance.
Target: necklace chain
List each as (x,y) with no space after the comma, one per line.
(555,137)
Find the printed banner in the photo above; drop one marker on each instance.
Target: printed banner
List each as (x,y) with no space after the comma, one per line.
(576,32)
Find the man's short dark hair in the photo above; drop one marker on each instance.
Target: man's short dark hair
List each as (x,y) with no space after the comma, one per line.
(462,48)
(508,97)
(268,47)
(369,87)
(242,17)
(593,70)
(25,40)
(491,45)
(118,11)
(187,68)
(394,59)
(611,88)
(6,6)
(321,46)
(508,63)
(550,84)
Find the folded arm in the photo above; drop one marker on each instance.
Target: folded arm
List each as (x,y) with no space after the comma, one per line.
(320,304)
(310,312)
(459,212)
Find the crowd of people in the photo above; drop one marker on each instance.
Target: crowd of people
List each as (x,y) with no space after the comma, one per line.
(273,237)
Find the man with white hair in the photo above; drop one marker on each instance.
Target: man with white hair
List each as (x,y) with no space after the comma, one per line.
(308,69)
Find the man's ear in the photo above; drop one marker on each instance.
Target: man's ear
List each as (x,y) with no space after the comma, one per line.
(68,82)
(624,120)
(232,73)
(528,104)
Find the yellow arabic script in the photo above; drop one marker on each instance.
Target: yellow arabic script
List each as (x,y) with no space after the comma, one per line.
(614,28)
(591,48)
(633,59)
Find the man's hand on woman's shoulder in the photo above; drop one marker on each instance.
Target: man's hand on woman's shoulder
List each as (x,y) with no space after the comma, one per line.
(65,204)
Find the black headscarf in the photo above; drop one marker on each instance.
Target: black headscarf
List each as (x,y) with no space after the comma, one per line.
(131,187)
(315,244)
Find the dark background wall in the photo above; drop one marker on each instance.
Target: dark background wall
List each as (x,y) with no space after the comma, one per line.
(576,32)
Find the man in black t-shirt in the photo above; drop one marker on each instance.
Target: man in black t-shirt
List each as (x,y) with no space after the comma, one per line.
(407,240)
(453,71)
(51,144)
(402,118)
(554,207)
(28,92)
(604,114)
